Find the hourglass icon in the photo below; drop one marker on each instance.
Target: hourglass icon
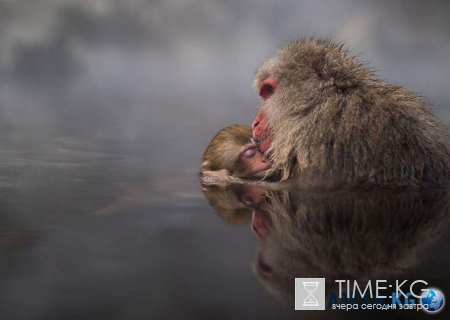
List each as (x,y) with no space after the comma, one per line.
(310,300)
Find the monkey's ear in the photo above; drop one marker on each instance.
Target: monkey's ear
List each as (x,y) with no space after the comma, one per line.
(318,65)
(206,166)
(205,187)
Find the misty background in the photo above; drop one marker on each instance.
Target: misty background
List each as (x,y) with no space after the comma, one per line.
(162,77)
(106,107)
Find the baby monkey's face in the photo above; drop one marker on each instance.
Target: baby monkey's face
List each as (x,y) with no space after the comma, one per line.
(251,162)
(235,151)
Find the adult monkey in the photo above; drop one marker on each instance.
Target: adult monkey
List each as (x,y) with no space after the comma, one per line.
(327,121)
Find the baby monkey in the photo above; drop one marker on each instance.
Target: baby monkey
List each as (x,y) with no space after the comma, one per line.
(233,149)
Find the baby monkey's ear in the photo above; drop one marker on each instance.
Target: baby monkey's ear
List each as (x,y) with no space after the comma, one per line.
(206,166)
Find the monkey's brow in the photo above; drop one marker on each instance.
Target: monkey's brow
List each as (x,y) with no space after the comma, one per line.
(259,145)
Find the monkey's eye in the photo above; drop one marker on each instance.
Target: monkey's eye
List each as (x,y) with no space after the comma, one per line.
(248,202)
(267,88)
(249,153)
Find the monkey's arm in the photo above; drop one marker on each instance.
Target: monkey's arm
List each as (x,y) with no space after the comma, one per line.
(223,178)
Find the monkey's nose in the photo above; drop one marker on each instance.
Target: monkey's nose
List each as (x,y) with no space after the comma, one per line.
(255,124)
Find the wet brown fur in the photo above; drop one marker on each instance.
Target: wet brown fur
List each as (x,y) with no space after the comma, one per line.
(333,123)
(225,200)
(348,235)
(225,148)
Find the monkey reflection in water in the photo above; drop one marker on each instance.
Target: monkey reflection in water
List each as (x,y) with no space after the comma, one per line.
(326,123)
(341,235)
(234,203)
(233,152)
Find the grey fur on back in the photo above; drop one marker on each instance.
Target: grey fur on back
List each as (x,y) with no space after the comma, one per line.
(333,123)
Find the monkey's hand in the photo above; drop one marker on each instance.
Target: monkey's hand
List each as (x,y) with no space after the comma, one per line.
(223,179)
(218,177)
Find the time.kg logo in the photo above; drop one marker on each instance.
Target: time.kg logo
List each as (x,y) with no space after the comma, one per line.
(309,293)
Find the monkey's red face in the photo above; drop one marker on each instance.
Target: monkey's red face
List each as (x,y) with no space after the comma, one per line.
(261,129)
(260,227)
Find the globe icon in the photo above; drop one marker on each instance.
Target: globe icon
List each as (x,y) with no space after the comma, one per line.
(433,298)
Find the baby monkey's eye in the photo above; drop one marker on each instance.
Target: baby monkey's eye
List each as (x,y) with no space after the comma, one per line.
(249,153)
